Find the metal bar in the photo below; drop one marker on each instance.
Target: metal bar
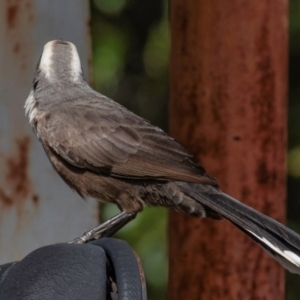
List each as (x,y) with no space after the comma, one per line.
(228,106)
(36,206)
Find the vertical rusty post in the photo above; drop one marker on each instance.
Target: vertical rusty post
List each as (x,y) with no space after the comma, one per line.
(228,107)
(36,207)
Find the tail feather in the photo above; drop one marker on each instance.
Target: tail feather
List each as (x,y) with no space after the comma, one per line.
(279,241)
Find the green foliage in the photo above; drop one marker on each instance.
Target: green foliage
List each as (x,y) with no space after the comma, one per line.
(293,288)
(294,161)
(156,54)
(108,57)
(110,6)
(294,113)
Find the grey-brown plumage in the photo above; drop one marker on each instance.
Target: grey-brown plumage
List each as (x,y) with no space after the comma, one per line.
(105,151)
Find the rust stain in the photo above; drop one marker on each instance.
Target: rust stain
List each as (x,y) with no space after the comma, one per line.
(8,201)
(245,192)
(16,48)
(28,5)
(35,199)
(234,128)
(17,168)
(18,12)
(237,138)
(17,185)
(11,15)
(264,175)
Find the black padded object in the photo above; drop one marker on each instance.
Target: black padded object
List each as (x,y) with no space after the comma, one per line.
(5,269)
(58,272)
(75,272)
(124,261)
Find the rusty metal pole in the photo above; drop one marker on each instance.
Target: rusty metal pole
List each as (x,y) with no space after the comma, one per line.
(36,206)
(228,107)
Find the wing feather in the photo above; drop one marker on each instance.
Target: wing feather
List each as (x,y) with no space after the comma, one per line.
(97,139)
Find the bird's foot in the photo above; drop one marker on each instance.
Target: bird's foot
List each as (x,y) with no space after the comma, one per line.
(107,229)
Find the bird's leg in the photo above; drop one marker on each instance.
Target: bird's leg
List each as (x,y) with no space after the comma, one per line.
(107,228)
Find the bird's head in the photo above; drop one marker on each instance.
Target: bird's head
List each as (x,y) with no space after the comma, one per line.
(59,63)
(58,77)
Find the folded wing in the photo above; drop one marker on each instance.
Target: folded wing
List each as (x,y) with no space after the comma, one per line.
(109,140)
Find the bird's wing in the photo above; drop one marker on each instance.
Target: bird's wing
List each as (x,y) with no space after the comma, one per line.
(113,140)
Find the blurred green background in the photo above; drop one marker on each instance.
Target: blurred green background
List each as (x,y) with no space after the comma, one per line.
(130,60)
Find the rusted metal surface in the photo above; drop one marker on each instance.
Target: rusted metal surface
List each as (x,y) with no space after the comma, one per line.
(228,106)
(36,207)
(17,184)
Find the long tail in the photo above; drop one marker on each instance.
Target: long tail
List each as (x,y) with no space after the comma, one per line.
(279,241)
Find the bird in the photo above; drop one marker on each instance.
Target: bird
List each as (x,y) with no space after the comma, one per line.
(103,150)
